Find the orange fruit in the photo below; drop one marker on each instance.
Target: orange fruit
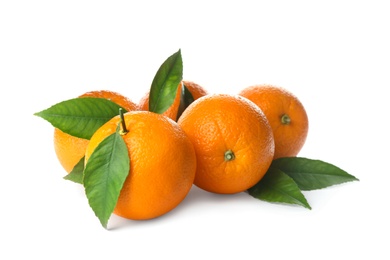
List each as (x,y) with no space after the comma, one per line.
(70,149)
(286,115)
(195,89)
(172,112)
(232,139)
(162,164)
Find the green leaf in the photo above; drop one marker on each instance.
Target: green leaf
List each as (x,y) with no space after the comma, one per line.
(76,175)
(186,99)
(165,83)
(276,186)
(104,175)
(312,174)
(80,117)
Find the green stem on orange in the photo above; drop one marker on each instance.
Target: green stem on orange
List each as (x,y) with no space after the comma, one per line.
(285,119)
(229,155)
(124,128)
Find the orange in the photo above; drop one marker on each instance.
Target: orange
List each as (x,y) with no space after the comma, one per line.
(70,149)
(232,139)
(162,164)
(195,89)
(172,112)
(286,115)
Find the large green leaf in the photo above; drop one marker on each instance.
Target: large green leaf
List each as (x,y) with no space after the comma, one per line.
(165,83)
(104,175)
(312,174)
(80,117)
(278,187)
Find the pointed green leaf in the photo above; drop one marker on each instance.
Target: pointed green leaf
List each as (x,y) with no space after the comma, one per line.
(312,174)
(80,117)
(76,175)
(104,175)
(186,99)
(278,187)
(165,84)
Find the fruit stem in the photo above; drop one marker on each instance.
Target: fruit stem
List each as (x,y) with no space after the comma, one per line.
(229,155)
(286,120)
(124,129)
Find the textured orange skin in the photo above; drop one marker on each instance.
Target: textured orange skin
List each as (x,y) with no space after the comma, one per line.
(196,90)
(162,164)
(70,149)
(217,123)
(275,102)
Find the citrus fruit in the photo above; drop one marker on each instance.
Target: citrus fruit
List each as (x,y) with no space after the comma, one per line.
(162,164)
(232,139)
(286,115)
(195,89)
(172,112)
(70,149)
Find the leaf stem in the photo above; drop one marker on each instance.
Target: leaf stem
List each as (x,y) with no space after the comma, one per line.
(124,128)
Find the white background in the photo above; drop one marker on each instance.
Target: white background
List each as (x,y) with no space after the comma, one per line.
(334,55)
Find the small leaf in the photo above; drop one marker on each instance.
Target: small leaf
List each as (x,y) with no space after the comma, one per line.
(312,174)
(165,84)
(186,99)
(104,175)
(76,175)
(276,186)
(80,117)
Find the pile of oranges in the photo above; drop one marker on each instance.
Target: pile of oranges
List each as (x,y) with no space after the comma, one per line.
(221,143)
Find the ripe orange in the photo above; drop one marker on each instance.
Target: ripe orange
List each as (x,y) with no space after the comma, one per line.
(196,91)
(286,115)
(232,140)
(162,164)
(70,149)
